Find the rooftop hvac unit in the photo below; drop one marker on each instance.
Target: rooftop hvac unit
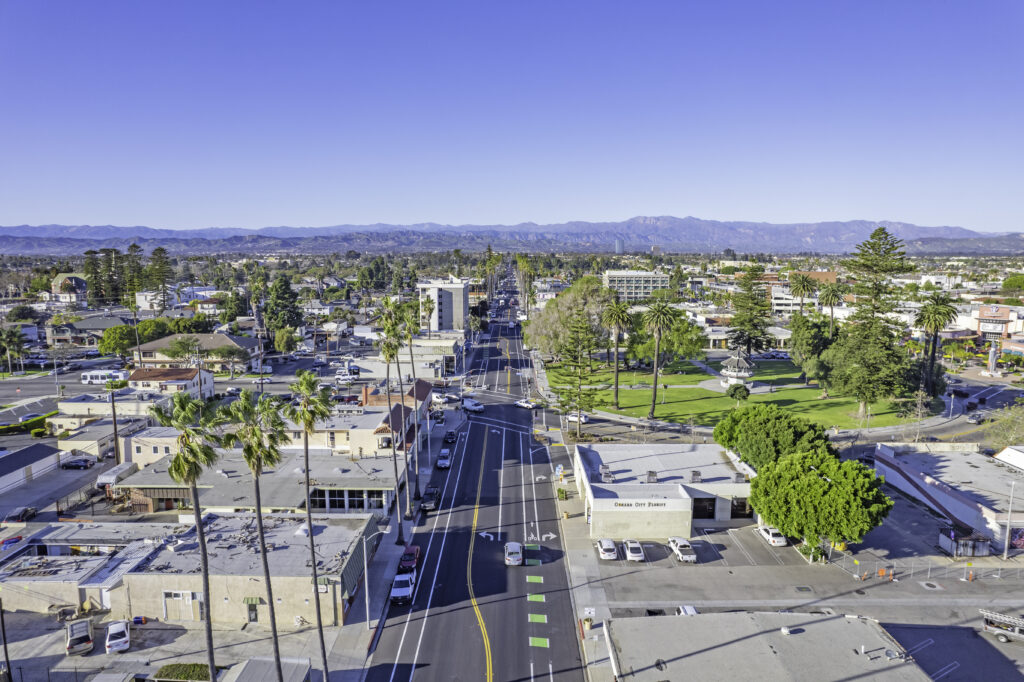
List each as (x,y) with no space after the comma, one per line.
(740,477)
(605,468)
(607,477)
(652,476)
(695,476)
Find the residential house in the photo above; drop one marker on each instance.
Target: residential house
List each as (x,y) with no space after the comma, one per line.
(69,288)
(154,352)
(198,383)
(84,333)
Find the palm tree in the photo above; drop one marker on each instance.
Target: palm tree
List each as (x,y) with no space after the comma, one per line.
(658,318)
(427,310)
(617,318)
(260,433)
(312,406)
(195,454)
(12,343)
(801,284)
(411,327)
(831,295)
(938,311)
(388,348)
(391,326)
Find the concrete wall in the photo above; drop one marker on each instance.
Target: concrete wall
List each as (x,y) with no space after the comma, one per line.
(640,524)
(38,596)
(27,473)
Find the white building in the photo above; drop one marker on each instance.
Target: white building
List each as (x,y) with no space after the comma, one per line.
(451,302)
(198,383)
(635,285)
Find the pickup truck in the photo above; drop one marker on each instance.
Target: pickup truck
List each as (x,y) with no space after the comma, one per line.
(403,587)
(683,550)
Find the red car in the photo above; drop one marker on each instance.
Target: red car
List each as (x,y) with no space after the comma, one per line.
(410,559)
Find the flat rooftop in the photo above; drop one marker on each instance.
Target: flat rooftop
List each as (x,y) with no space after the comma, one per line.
(233,546)
(229,484)
(157,432)
(673,463)
(982,478)
(751,646)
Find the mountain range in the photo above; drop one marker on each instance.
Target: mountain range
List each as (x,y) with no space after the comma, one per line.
(669,233)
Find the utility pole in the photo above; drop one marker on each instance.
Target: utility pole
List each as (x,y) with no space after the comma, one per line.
(1009,523)
(113,418)
(3,635)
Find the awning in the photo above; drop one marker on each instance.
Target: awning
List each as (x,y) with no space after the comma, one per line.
(251,600)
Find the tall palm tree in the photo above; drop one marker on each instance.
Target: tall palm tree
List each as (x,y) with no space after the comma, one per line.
(312,406)
(427,309)
(616,317)
(12,342)
(195,454)
(259,431)
(801,284)
(937,312)
(658,318)
(410,327)
(831,294)
(388,348)
(391,326)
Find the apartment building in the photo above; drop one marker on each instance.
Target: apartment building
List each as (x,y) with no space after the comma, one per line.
(451,302)
(635,285)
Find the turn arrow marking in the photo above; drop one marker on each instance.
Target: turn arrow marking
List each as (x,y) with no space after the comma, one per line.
(548,536)
(486,536)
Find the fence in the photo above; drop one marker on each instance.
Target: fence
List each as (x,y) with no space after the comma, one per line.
(923,569)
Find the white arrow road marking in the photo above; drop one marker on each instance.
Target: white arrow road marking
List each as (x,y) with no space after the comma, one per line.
(485,535)
(548,536)
(542,478)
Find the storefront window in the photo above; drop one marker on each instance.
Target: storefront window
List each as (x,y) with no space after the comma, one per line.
(741,508)
(704,508)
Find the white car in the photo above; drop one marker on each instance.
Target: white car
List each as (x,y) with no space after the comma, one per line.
(263,380)
(337,363)
(513,554)
(119,636)
(633,550)
(403,587)
(527,404)
(606,549)
(772,536)
(472,405)
(582,418)
(444,459)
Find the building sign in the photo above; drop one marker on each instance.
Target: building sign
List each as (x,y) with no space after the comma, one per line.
(639,505)
(991,327)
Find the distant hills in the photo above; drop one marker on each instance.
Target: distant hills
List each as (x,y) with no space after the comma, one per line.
(637,234)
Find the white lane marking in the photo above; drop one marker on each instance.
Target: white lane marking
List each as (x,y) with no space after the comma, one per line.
(711,543)
(921,645)
(437,565)
(522,485)
(739,545)
(551,671)
(501,483)
(533,484)
(942,672)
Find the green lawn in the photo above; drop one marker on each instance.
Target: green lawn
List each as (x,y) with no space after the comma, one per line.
(681,401)
(674,374)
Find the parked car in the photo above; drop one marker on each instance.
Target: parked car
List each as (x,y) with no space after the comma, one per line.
(513,554)
(78,463)
(683,550)
(450,437)
(78,637)
(527,404)
(606,549)
(263,380)
(582,418)
(119,636)
(772,536)
(403,587)
(410,559)
(20,514)
(444,459)
(28,417)
(976,418)
(233,390)
(431,495)
(633,550)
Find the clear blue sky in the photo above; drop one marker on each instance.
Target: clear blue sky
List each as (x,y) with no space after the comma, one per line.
(219,113)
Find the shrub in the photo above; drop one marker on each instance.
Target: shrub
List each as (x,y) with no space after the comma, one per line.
(183,671)
(38,433)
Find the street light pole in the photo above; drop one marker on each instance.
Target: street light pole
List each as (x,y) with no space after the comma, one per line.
(1009,523)
(366,579)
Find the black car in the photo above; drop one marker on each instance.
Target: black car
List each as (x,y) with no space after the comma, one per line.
(450,437)
(80,463)
(430,497)
(20,515)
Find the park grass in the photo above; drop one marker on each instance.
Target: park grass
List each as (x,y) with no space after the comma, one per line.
(683,400)
(678,373)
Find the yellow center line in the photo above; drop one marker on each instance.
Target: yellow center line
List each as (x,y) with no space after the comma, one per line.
(508,378)
(469,565)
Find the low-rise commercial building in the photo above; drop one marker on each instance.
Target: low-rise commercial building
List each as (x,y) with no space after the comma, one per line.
(20,466)
(76,411)
(154,353)
(96,439)
(659,491)
(198,383)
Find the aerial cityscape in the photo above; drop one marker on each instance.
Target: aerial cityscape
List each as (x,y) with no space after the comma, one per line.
(511,342)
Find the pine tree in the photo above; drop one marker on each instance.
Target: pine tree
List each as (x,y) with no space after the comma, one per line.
(159,274)
(749,327)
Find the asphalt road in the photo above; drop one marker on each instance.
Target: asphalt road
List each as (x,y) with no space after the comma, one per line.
(473,618)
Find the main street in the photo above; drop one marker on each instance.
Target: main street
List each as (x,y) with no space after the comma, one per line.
(473,618)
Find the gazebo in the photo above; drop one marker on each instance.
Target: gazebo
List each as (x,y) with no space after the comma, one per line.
(737,368)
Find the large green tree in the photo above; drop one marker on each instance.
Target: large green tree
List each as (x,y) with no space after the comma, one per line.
(575,352)
(749,326)
(159,274)
(762,433)
(831,295)
(812,495)
(117,340)
(811,337)
(282,307)
(547,329)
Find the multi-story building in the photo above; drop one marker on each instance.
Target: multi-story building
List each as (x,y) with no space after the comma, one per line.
(451,302)
(635,285)
(154,353)
(198,383)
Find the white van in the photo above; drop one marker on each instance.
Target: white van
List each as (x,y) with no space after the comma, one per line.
(116,475)
(78,637)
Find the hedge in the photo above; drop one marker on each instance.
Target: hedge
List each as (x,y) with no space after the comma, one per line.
(38,422)
(183,671)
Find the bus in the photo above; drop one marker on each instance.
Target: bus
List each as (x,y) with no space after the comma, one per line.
(102,376)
